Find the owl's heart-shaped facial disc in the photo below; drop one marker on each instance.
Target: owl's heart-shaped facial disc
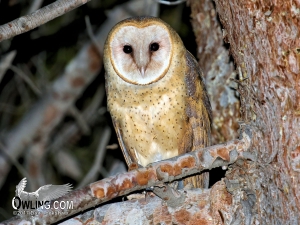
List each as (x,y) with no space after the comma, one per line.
(141,55)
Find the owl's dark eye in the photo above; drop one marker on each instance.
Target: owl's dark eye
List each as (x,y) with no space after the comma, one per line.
(127,49)
(154,47)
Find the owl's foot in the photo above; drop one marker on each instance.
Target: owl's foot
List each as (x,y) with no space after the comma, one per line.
(137,196)
(144,195)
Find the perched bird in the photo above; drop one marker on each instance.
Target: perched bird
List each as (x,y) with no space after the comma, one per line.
(155,93)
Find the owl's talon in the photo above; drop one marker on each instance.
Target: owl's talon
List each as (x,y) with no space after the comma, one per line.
(136,196)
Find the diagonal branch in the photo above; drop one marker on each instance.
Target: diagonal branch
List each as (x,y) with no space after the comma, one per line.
(39,17)
(6,62)
(152,175)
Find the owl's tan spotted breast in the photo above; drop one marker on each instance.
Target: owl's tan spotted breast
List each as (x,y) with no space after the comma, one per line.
(151,117)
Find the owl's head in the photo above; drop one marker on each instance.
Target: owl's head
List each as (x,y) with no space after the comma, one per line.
(140,49)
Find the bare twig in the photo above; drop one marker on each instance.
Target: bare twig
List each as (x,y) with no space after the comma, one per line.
(39,17)
(34,161)
(82,123)
(152,175)
(67,164)
(94,170)
(169,2)
(151,8)
(112,147)
(14,162)
(89,114)
(8,94)
(43,73)
(36,4)
(23,91)
(91,33)
(24,77)
(6,62)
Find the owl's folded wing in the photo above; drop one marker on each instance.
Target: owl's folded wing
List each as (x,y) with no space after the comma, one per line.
(199,117)
(198,109)
(130,160)
(193,76)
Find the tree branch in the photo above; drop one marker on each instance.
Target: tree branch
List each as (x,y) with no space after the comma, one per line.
(39,17)
(101,150)
(153,175)
(5,62)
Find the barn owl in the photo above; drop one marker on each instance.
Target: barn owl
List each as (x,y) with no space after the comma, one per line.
(155,93)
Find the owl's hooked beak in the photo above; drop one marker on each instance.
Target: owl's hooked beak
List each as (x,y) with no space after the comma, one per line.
(142,61)
(142,71)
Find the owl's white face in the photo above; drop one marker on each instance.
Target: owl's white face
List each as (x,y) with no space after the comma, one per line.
(141,55)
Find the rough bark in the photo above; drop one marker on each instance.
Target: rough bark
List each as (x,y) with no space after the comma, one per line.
(265,44)
(218,70)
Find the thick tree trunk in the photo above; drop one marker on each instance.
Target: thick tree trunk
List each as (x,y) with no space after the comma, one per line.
(214,61)
(264,40)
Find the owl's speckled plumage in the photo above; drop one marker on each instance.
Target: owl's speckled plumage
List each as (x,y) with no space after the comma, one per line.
(158,102)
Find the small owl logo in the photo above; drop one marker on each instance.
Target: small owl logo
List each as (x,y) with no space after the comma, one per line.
(44,193)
